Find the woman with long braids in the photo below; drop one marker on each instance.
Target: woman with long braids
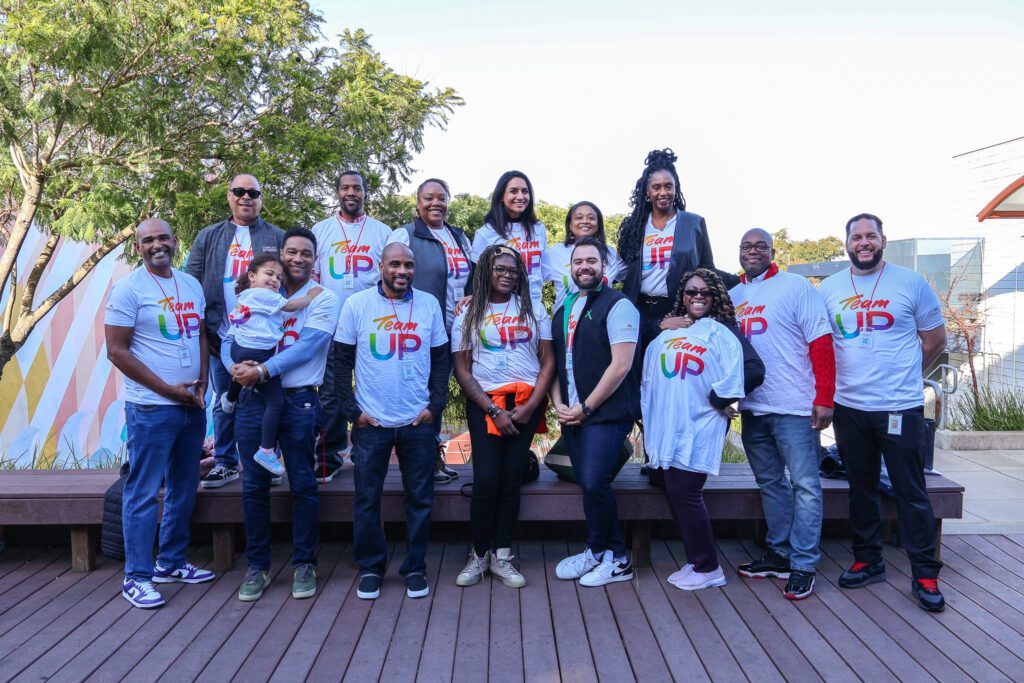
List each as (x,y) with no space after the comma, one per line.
(700,371)
(504,363)
(584,219)
(512,221)
(659,241)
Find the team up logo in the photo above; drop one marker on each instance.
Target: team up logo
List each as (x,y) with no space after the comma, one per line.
(458,264)
(186,320)
(661,251)
(510,333)
(681,358)
(868,317)
(399,335)
(239,259)
(240,315)
(354,259)
(750,320)
(289,335)
(530,251)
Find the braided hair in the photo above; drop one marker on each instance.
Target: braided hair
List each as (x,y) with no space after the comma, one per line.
(631,232)
(721,303)
(497,216)
(480,303)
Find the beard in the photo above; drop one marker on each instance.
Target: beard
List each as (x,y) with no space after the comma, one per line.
(875,259)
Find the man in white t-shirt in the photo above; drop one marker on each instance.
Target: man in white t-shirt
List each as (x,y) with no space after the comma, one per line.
(784,318)
(156,337)
(887,327)
(347,262)
(393,337)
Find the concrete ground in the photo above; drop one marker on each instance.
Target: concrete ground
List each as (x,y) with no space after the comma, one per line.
(994,495)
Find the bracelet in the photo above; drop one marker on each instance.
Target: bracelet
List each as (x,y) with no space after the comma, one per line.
(493,411)
(587,412)
(262,374)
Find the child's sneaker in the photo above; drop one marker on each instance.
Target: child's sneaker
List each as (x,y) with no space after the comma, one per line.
(226,405)
(267,459)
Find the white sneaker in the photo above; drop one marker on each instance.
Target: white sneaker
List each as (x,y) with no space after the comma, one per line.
(608,571)
(502,567)
(575,566)
(683,571)
(268,461)
(226,405)
(475,569)
(695,581)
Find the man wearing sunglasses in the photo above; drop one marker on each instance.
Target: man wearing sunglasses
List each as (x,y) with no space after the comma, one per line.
(220,253)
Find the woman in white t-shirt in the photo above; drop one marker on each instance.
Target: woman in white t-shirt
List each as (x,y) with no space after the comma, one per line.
(583,220)
(698,371)
(256,324)
(504,362)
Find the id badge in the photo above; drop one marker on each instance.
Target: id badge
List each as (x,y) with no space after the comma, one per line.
(568,361)
(501,363)
(895,424)
(348,281)
(408,371)
(866,340)
(184,357)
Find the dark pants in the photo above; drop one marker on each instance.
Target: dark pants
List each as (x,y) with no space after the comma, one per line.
(300,421)
(863,439)
(594,451)
(334,437)
(498,463)
(271,391)
(371,453)
(223,423)
(685,493)
(652,312)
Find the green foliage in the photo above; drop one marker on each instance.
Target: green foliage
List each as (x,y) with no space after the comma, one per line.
(789,252)
(988,411)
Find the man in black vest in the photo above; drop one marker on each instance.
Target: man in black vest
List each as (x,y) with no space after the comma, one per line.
(597,399)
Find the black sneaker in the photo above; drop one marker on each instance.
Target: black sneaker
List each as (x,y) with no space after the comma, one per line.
(928,596)
(416,586)
(441,477)
(219,476)
(862,574)
(369,586)
(770,564)
(325,472)
(442,465)
(799,586)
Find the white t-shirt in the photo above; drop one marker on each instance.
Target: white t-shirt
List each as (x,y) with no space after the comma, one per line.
(457,264)
(257,320)
(655,257)
(167,314)
(534,252)
(238,260)
(321,314)
(874,328)
(507,349)
(623,324)
(393,339)
(681,367)
(348,254)
(558,269)
(780,316)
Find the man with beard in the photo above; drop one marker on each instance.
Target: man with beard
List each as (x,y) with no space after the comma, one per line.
(221,252)
(348,261)
(393,336)
(887,327)
(597,399)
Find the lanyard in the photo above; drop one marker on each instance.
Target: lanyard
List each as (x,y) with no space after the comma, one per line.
(504,313)
(445,247)
(411,303)
(177,299)
(877,280)
(362,226)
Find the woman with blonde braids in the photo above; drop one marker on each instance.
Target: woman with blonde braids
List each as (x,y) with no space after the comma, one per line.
(698,367)
(504,362)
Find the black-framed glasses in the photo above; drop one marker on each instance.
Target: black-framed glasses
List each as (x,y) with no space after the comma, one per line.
(505,270)
(706,293)
(762,247)
(242,191)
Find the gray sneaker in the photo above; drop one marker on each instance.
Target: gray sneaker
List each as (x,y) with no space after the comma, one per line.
(304,581)
(502,567)
(475,569)
(253,585)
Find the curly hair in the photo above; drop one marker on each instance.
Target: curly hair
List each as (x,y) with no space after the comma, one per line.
(480,303)
(242,283)
(571,238)
(721,302)
(631,232)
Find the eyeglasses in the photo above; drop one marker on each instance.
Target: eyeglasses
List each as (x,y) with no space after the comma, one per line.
(762,247)
(241,192)
(705,293)
(505,270)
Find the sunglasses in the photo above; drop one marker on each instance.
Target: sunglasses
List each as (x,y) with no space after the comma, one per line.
(706,293)
(241,192)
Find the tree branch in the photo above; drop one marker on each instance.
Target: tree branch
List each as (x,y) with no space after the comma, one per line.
(9,308)
(36,274)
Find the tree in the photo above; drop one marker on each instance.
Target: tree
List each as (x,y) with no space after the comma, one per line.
(789,252)
(116,110)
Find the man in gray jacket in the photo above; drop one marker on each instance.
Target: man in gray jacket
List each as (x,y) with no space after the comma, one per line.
(220,254)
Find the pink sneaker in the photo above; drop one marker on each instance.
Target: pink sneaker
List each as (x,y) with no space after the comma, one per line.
(679,575)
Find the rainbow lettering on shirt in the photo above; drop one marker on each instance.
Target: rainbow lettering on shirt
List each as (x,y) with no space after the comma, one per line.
(750,319)
(866,319)
(186,321)
(530,251)
(356,259)
(684,361)
(510,332)
(400,338)
(240,315)
(458,264)
(661,251)
(239,260)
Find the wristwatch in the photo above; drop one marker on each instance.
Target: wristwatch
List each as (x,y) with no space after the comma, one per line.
(493,410)
(587,412)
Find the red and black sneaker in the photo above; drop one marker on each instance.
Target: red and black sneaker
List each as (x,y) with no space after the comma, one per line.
(799,586)
(769,564)
(928,596)
(862,574)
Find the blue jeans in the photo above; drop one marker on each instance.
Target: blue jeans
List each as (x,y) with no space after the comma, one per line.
(223,424)
(792,505)
(301,419)
(165,444)
(371,452)
(594,451)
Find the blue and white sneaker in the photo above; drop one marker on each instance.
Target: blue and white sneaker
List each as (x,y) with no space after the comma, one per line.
(141,594)
(268,461)
(186,573)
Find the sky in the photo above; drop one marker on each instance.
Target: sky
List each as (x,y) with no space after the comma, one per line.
(792,114)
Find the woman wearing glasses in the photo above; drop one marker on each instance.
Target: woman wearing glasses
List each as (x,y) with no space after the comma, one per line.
(583,220)
(700,368)
(503,360)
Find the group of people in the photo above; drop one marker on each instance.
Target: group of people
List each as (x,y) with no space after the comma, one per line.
(307,332)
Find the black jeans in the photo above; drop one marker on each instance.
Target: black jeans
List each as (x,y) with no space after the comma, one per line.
(334,436)
(652,312)
(271,391)
(863,439)
(685,493)
(498,463)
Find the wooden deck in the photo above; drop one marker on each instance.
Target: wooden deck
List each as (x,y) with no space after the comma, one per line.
(67,626)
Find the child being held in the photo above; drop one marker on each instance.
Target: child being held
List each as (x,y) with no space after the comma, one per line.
(256,325)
